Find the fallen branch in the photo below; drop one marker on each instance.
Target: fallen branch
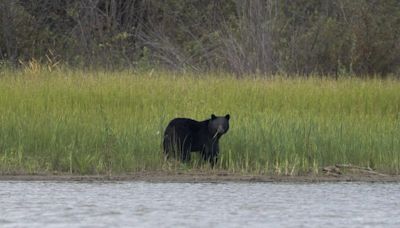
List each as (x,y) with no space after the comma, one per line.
(360,168)
(350,166)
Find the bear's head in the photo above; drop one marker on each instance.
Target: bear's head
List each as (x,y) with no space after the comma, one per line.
(218,125)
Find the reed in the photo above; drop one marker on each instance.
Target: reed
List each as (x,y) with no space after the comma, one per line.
(112,122)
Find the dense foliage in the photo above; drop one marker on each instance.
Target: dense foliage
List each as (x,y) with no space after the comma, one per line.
(334,37)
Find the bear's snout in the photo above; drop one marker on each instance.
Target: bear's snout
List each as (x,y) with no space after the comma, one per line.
(220,129)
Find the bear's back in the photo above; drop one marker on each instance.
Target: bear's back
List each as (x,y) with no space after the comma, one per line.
(184,125)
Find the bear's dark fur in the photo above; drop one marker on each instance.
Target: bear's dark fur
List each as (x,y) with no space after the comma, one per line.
(183,136)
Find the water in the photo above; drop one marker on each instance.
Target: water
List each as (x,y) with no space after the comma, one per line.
(128,204)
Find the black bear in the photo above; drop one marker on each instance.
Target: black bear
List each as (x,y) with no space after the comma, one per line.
(183,136)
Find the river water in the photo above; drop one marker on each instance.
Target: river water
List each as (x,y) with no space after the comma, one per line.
(142,204)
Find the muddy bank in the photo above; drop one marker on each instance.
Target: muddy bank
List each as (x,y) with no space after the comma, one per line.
(198,177)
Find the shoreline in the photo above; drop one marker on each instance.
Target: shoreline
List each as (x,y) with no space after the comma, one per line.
(201,177)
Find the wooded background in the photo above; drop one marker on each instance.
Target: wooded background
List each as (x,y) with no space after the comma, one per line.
(325,37)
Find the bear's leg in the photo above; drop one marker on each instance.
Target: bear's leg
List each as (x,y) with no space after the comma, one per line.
(203,153)
(210,153)
(172,146)
(185,153)
(186,148)
(214,154)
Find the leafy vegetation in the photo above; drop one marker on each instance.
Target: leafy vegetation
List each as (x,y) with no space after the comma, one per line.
(303,37)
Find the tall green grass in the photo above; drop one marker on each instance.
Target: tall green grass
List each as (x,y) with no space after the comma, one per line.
(93,122)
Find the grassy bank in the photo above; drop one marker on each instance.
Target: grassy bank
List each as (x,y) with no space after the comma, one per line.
(88,123)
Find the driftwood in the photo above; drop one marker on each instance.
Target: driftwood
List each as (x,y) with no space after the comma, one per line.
(332,170)
(338,169)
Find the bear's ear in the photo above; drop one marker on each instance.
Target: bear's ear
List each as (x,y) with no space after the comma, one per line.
(213,116)
(227,116)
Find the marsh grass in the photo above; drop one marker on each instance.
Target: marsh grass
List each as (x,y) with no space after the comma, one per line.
(101,122)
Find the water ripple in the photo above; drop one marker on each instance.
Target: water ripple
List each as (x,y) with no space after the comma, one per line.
(126,204)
